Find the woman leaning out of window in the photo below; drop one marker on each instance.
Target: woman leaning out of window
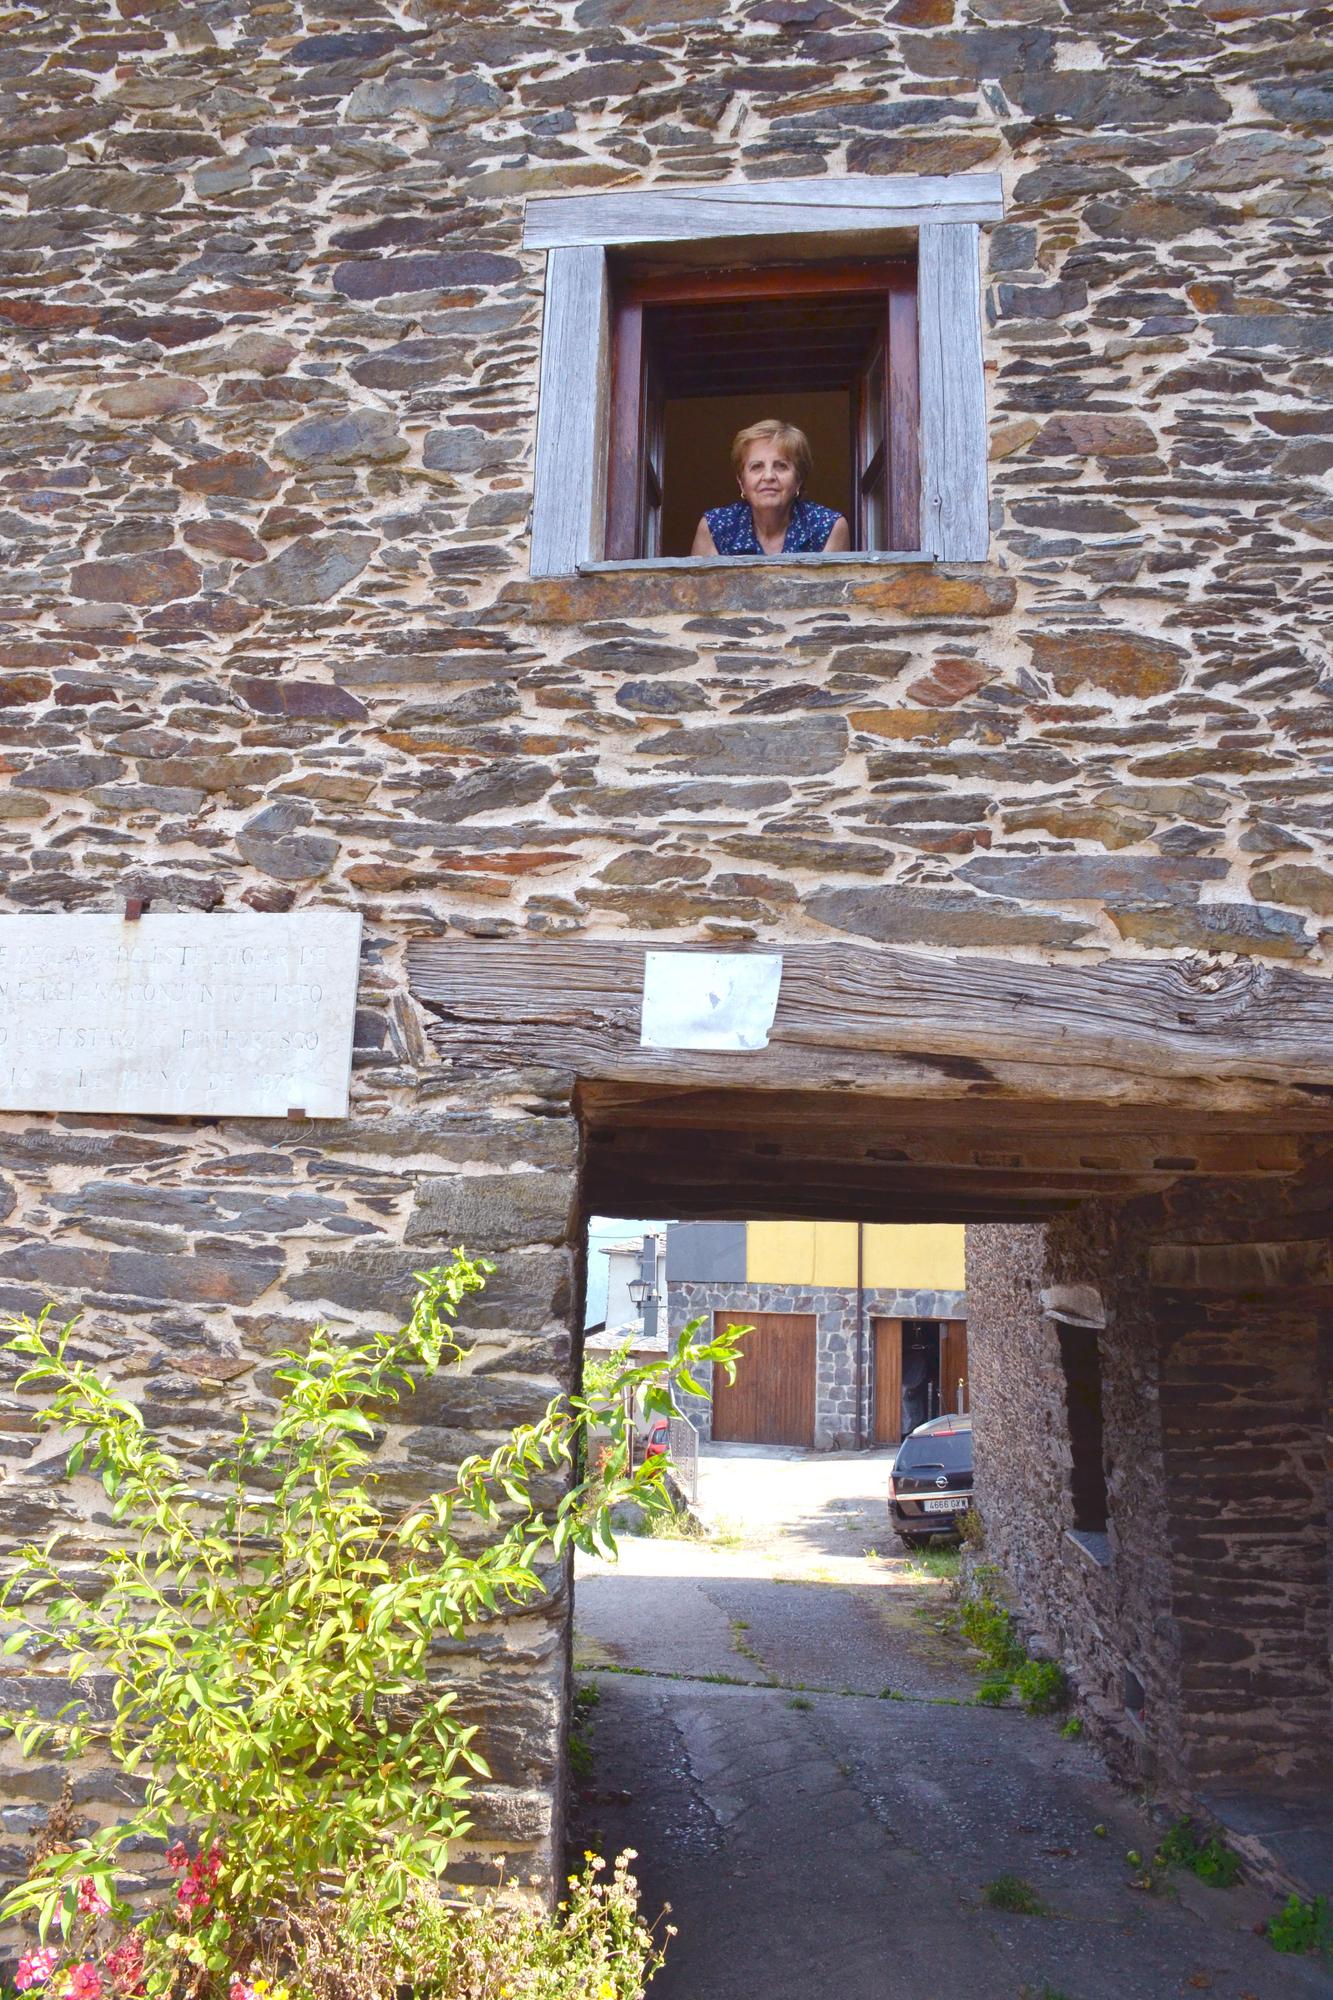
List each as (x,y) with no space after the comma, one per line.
(772,462)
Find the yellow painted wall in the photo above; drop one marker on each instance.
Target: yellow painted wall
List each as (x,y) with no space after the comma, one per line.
(926,1256)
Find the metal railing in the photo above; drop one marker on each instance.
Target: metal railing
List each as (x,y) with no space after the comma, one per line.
(683,1446)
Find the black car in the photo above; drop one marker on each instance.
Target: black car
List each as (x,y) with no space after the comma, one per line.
(930,1480)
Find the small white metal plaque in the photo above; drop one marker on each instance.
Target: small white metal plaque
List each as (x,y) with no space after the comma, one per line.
(709,999)
(240,1014)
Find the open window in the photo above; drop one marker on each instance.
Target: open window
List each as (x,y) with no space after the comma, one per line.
(1080,1363)
(854,300)
(697,356)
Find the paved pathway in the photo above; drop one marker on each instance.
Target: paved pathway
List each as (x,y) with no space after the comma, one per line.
(786,1737)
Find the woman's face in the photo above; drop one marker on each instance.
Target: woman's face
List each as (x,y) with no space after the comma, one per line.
(768,478)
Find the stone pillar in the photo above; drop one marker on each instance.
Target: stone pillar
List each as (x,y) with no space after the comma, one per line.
(1244,1425)
(197,1250)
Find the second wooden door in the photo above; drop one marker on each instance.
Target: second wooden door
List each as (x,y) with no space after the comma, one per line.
(954,1392)
(772,1400)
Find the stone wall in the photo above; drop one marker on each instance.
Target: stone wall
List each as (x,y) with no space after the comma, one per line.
(834,1311)
(1101,1614)
(265,633)
(1213,1587)
(197,1253)
(267,639)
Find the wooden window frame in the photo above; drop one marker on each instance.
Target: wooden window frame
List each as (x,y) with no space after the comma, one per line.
(631,400)
(856,215)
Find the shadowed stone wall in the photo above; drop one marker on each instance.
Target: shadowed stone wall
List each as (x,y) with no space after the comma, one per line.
(1213,1588)
(267,640)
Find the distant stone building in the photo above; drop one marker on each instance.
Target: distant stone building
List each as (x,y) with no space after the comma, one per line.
(364,369)
(858,1332)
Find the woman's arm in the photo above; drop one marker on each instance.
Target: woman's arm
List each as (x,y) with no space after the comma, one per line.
(840,535)
(703,543)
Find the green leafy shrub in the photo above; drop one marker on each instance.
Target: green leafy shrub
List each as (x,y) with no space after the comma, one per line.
(1073,1728)
(971,1528)
(1211,1859)
(990,1628)
(1012,1893)
(267,1638)
(604,1370)
(1300,1926)
(1042,1686)
(993,1693)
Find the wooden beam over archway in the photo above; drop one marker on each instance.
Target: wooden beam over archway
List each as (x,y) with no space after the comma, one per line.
(902,1087)
(1243,1044)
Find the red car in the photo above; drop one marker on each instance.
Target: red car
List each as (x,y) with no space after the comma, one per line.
(657,1444)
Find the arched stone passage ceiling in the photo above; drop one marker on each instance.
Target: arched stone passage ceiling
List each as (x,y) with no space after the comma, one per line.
(900,1087)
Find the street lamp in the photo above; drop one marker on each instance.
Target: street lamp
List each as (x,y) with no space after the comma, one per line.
(640,1291)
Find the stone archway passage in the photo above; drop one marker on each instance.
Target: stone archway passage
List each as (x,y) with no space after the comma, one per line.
(1168,1126)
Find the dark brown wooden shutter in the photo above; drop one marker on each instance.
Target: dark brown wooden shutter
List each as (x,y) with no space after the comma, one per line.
(953,1367)
(888,1380)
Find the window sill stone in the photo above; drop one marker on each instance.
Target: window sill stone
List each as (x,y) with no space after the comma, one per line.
(818,559)
(1094,1548)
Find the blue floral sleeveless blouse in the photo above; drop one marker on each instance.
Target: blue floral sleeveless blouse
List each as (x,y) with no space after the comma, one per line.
(732,529)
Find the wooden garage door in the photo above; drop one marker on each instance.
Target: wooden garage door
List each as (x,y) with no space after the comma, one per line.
(772,1400)
(888,1380)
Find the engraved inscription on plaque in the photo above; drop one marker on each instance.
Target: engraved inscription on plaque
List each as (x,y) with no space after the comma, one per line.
(239,1014)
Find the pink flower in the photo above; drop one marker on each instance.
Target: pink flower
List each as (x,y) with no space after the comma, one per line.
(90,1903)
(124,1965)
(177,1855)
(35,1968)
(239,1990)
(82,1982)
(192,1892)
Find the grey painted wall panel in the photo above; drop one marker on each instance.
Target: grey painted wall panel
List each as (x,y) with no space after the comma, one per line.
(706,1252)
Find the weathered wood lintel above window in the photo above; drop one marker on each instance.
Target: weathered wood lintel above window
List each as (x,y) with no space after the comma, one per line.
(760,208)
(583,438)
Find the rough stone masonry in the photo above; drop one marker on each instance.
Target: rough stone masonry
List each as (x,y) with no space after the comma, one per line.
(267,637)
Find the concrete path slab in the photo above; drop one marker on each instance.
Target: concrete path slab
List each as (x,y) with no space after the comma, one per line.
(790,1746)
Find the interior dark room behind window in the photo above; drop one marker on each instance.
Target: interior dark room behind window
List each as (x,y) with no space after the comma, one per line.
(698,355)
(697,438)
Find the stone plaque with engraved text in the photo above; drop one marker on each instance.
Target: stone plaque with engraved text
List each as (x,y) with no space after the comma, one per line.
(239,1014)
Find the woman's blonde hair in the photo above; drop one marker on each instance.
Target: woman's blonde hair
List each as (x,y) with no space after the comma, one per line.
(795,444)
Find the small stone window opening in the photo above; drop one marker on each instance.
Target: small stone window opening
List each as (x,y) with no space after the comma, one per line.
(1080,1362)
(1134,1697)
(698,355)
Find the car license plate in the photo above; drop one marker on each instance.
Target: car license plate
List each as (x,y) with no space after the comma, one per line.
(954,1502)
